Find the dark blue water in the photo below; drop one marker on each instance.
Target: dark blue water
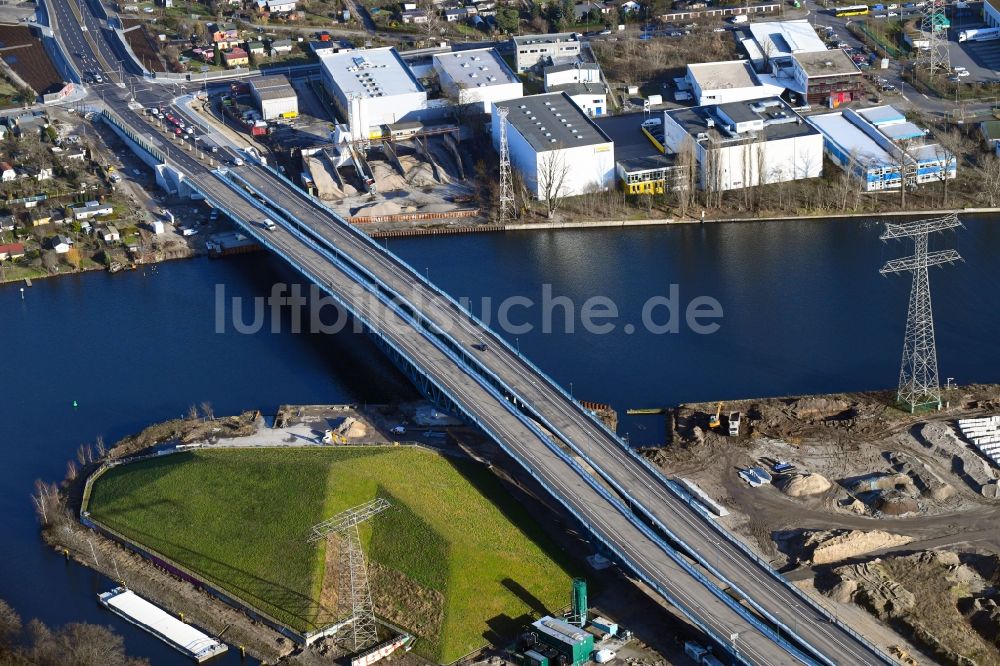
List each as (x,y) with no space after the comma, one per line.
(804,310)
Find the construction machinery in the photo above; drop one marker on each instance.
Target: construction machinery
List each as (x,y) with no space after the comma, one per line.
(734,424)
(716,420)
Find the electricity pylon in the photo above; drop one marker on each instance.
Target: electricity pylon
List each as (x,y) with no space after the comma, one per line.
(354,589)
(918,374)
(934,58)
(506,212)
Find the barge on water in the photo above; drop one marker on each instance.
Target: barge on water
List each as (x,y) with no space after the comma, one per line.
(163,625)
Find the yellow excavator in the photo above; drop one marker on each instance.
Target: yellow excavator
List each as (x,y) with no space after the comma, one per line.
(714,421)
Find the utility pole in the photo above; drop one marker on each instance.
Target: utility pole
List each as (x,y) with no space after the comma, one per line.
(918,373)
(506,211)
(354,589)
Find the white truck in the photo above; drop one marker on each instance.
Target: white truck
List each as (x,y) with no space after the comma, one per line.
(979,34)
(734,424)
(739,18)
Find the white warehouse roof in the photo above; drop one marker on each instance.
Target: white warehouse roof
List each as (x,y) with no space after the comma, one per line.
(475,69)
(722,75)
(777,38)
(370,72)
(882,115)
(850,139)
(552,121)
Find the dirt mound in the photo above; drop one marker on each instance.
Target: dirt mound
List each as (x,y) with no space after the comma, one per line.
(818,409)
(829,546)
(930,597)
(893,503)
(802,485)
(351,428)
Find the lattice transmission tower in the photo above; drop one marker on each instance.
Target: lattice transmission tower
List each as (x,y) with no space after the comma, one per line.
(934,59)
(354,594)
(918,374)
(506,212)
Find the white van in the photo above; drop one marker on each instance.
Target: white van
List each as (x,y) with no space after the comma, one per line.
(739,18)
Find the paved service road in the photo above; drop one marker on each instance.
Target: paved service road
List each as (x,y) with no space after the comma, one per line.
(437,324)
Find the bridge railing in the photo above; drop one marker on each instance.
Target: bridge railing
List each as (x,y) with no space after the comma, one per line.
(527,422)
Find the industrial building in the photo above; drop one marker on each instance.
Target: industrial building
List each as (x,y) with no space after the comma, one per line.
(372,87)
(991,13)
(744,144)
(826,77)
(726,82)
(570,72)
(555,146)
(573,645)
(275,97)
(530,50)
(478,77)
(773,39)
(592,98)
(882,148)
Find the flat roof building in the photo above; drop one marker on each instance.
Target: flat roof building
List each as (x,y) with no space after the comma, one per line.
(882,149)
(827,77)
(275,97)
(745,144)
(555,146)
(778,38)
(725,82)
(574,71)
(529,50)
(372,87)
(591,97)
(478,77)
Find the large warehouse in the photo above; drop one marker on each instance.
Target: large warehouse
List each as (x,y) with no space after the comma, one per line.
(744,144)
(478,77)
(554,145)
(275,97)
(372,87)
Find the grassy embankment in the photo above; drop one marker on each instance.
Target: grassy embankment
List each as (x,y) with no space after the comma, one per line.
(456,560)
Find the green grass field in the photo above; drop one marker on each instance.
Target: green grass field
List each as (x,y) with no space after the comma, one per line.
(459,545)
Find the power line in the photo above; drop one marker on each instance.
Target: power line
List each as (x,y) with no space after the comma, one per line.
(918,373)
(934,58)
(506,212)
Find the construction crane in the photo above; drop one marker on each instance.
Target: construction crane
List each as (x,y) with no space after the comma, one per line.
(714,421)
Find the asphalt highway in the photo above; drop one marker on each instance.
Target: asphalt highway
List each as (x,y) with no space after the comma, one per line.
(533,394)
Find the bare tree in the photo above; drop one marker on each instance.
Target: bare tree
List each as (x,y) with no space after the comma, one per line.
(99,446)
(433,25)
(989,169)
(192,413)
(552,172)
(207,411)
(10,625)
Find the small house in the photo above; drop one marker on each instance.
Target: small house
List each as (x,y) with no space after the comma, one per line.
(109,234)
(281,46)
(415,16)
(11,251)
(255,48)
(61,244)
(236,57)
(7,173)
(90,209)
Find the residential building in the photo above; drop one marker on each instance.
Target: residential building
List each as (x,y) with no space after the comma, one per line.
(583,10)
(281,47)
(7,172)
(372,87)
(574,71)
(727,82)
(11,251)
(236,57)
(61,244)
(109,234)
(226,36)
(883,149)
(43,173)
(280,6)
(745,144)
(592,98)
(990,131)
(459,14)
(36,218)
(556,147)
(7,223)
(255,48)
(415,16)
(275,97)
(477,77)
(530,50)
(90,209)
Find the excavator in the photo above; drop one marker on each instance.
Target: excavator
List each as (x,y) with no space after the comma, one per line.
(714,421)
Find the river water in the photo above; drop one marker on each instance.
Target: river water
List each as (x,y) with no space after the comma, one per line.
(803,307)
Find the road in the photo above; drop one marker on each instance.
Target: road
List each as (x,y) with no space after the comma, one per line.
(525,390)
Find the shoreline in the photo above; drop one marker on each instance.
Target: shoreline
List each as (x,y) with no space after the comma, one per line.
(550,226)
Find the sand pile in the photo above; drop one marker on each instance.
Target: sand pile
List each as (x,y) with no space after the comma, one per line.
(802,485)
(834,545)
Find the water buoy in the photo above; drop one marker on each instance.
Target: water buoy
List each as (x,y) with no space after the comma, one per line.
(75,405)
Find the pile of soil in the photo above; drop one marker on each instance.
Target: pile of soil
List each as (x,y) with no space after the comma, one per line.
(895,503)
(828,546)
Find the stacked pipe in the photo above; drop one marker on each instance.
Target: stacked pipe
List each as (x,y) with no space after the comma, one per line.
(984,434)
